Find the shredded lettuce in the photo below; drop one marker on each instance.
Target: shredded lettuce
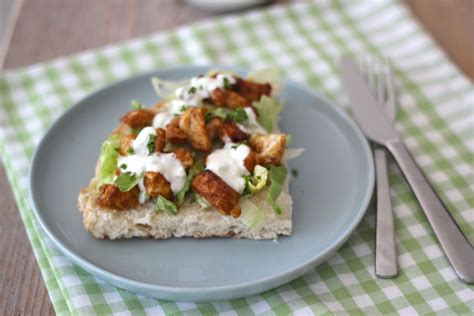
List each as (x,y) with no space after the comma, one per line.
(251,214)
(166,89)
(108,159)
(268,110)
(292,153)
(203,203)
(163,204)
(258,180)
(126,181)
(194,171)
(271,75)
(277,175)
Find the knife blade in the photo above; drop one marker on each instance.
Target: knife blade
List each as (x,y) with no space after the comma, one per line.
(375,125)
(368,114)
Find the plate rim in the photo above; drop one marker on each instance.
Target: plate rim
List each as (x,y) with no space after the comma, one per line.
(313,261)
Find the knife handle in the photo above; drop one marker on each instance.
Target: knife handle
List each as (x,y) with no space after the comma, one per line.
(385,247)
(455,245)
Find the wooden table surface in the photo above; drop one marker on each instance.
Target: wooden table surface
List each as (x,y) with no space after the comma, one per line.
(37,36)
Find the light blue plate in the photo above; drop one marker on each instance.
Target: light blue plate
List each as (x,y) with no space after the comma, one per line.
(331,194)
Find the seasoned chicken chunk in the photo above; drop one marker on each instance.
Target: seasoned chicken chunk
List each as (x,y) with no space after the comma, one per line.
(269,149)
(218,193)
(126,144)
(184,156)
(111,197)
(174,134)
(160,139)
(213,127)
(192,122)
(228,98)
(156,184)
(250,90)
(230,130)
(250,161)
(138,118)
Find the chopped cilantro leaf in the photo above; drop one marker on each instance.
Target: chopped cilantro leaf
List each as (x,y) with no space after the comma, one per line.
(130,151)
(226,83)
(123,166)
(151,144)
(183,108)
(239,115)
(192,90)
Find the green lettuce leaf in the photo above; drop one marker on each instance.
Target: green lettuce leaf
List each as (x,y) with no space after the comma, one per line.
(203,203)
(257,181)
(277,175)
(251,214)
(194,171)
(163,204)
(126,181)
(268,110)
(166,89)
(108,159)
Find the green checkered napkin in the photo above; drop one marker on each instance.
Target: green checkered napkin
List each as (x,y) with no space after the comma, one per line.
(306,41)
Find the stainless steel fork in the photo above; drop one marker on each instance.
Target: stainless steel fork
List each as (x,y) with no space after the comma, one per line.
(380,80)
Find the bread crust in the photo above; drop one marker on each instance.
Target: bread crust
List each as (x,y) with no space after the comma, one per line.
(191,221)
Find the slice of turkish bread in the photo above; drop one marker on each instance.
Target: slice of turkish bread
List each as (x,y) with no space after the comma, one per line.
(192,219)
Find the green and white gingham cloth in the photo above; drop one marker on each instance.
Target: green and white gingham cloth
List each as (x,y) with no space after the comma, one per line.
(306,40)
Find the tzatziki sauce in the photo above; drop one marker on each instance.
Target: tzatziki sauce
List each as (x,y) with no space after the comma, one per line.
(228,164)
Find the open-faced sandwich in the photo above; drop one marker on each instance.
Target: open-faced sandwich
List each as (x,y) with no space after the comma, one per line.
(207,160)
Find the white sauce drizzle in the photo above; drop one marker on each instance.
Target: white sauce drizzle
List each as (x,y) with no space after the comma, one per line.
(140,162)
(252,126)
(162,119)
(228,164)
(200,88)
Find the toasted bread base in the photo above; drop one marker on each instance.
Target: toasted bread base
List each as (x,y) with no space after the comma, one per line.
(191,220)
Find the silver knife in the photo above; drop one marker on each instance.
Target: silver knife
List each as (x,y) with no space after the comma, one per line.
(376,126)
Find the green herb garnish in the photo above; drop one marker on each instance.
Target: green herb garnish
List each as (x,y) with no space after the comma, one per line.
(130,151)
(151,144)
(136,105)
(239,115)
(226,83)
(123,166)
(192,90)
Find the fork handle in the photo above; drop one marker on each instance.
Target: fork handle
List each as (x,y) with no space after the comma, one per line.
(455,245)
(385,247)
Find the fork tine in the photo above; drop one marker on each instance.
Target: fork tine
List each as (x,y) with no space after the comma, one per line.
(390,103)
